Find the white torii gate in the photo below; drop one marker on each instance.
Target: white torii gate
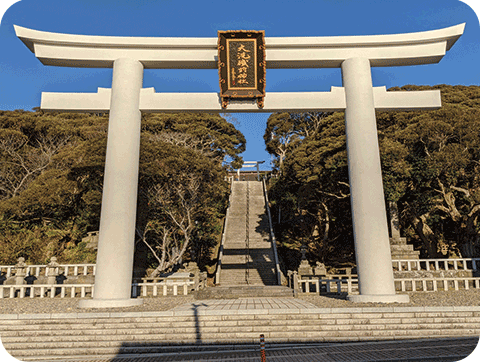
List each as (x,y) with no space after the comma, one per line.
(128,56)
(251,164)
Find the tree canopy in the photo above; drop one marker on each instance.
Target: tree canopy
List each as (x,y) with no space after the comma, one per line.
(430,162)
(52,167)
(436,180)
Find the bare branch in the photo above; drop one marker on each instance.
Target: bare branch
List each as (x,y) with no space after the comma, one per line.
(461,190)
(180,202)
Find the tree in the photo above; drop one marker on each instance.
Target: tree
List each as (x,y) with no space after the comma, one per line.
(286,130)
(52,175)
(430,165)
(312,194)
(183,198)
(438,183)
(208,134)
(21,161)
(181,204)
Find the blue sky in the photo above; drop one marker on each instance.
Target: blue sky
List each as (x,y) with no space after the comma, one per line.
(23,77)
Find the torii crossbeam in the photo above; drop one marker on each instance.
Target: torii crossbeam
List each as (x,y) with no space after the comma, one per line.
(128,56)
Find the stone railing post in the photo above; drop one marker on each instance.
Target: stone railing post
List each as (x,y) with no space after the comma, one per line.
(295,283)
(203,280)
(196,281)
(289,279)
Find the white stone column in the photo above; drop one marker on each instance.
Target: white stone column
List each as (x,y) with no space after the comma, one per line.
(116,243)
(370,229)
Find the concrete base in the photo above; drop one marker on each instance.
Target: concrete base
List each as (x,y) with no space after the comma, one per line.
(109,303)
(379,298)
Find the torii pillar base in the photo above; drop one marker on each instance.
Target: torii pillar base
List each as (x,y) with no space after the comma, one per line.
(108,303)
(395,298)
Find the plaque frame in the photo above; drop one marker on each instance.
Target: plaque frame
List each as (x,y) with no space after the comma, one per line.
(241,65)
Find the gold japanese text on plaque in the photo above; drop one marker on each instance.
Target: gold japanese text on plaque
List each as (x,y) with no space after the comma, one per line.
(241,65)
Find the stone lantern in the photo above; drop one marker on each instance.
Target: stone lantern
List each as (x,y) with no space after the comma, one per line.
(20,271)
(52,271)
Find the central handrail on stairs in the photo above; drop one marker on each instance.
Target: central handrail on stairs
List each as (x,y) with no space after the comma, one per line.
(247,235)
(272,234)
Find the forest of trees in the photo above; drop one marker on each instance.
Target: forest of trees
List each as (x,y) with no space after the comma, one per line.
(51,175)
(430,164)
(51,179)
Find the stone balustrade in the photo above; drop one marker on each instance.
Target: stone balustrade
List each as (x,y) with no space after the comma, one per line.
(45,290)
(350,285)
(436,284)
(348,282)
(445,264)
(42,270)
(152,288)
(157,288)
(184,282)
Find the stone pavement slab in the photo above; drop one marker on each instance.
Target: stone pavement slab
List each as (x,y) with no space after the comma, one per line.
(414,350)
(260,303)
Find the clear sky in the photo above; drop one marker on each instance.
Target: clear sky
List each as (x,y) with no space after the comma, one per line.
(23,77)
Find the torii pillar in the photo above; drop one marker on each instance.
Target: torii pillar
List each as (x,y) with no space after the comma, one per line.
(355,55)
(113,278)
(372,246)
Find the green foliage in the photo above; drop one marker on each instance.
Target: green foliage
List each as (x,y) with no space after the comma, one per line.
(52,167)
(435,178)
(312,197)
(430,164)
(285,131)
(209,134)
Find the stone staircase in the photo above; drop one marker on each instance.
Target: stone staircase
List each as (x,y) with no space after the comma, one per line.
(401,250)
(112,336)
(253,266)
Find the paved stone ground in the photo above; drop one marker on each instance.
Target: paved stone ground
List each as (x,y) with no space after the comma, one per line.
(247,304)
(418,350)
(384,351)
(164,303)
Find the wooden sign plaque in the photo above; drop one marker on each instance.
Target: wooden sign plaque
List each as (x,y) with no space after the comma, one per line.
(241,65)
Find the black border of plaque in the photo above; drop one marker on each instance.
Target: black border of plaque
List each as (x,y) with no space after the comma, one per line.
(241,65)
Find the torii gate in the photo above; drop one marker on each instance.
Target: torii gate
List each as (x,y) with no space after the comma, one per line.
(251,164)
(128,56)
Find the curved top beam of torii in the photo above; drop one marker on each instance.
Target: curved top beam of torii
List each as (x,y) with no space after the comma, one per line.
(71,50)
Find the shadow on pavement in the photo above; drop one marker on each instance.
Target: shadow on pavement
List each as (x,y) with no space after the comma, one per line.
(418,350)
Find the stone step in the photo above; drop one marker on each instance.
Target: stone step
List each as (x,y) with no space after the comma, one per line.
(234,334)
(242,259)
(114,339)
(438,316)
(402,248)
(241,243)
(123,335)
(255,283)
(241,279)
(251,282)
(233,280)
